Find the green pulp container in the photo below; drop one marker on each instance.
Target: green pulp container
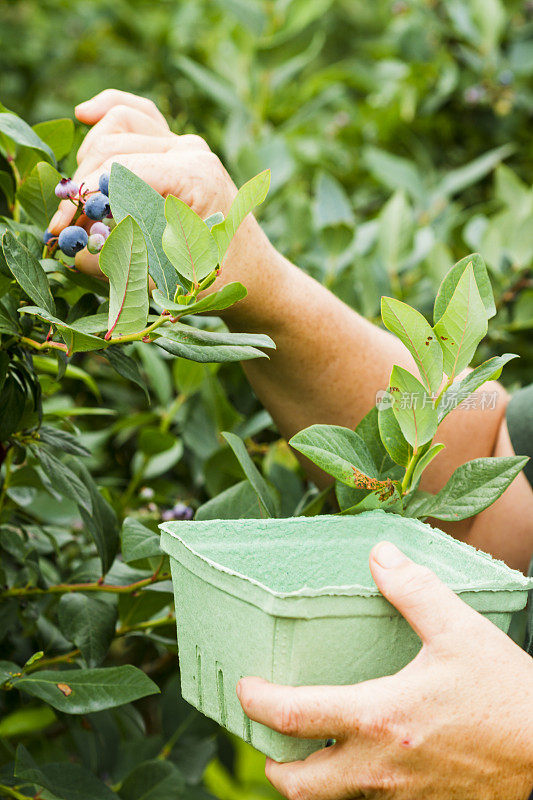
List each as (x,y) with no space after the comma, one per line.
(293,601)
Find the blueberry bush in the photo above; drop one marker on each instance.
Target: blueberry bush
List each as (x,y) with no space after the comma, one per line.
(397,136)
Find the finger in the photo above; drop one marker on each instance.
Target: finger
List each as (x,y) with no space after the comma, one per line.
(428,605)
(114,144)
(94,109)
(122,119)
(322,776)
(182,173)
(307,712)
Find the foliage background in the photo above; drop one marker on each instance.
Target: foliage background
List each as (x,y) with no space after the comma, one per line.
(398,134)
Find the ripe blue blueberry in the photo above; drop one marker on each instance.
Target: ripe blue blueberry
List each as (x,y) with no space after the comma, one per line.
(95,243)
(100,227)
(97,206)
(66,188)
(47,236)
(103,183)
(72,240)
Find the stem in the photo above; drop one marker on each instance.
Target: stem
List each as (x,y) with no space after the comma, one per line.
(168,416)
(138,337)
(180,730)
(65,588)
(65,658)
(409,473)
(8,791)
(44,345)
(5,486)
(18,180)
(444,389)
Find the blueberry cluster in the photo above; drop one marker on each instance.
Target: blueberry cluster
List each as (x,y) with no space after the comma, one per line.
(95,206)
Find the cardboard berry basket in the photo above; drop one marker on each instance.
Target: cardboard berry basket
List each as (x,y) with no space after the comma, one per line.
(293,601)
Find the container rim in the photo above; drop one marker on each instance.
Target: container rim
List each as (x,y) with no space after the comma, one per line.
(516,581)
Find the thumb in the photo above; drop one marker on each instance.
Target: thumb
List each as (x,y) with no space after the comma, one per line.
(428,605)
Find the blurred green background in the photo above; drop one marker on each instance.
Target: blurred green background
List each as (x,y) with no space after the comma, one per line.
(399,138)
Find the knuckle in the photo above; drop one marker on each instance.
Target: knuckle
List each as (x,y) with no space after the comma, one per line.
(195,141)
(419,580)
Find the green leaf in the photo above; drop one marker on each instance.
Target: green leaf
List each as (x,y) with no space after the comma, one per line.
(205,352)
(336,450)
(424,461)
(130,195)
(473,487)
(101,520)
(463,324)
(154,780)
(63,779)
(392,437)
(395,172)
(179,332)
(456,180)
(89,624)
(250,195)
(27,271)
(413,407)
(58,134)
(217,301)
(488,371)
(62,479)
(84,691)
(452,278)
(126,366)
(124,259)
(26,721)
(7,670)
(76,340)
(138,541)
(386,498)
(332,206)
(20,132)
(7,185)
(36,195)
(368,430)
(188,242)
(239,501)
(62,440)
(395,231)
(260,486)
(415,332)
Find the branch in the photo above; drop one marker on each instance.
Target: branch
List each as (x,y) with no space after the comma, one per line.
(65,588)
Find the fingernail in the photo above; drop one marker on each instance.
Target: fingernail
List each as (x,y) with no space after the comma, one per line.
(81,106)
(238,690)
(388,556)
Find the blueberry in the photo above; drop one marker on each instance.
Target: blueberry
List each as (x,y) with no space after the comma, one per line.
(103,183)
(97,206)
(95,243)
(47,236)
(100,227)
(66,188)
(72,240)
(180,511)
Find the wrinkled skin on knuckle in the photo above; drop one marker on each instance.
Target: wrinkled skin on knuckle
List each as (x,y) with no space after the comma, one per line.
(194,141)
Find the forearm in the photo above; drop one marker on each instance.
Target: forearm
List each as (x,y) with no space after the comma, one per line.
(328,366)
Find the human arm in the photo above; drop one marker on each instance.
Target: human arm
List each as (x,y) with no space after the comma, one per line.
(455,722)
(330,361)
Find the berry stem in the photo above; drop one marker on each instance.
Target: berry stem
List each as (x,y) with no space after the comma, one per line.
(44,345)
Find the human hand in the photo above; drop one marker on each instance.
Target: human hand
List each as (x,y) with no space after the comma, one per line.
(131,131)
(455,722)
